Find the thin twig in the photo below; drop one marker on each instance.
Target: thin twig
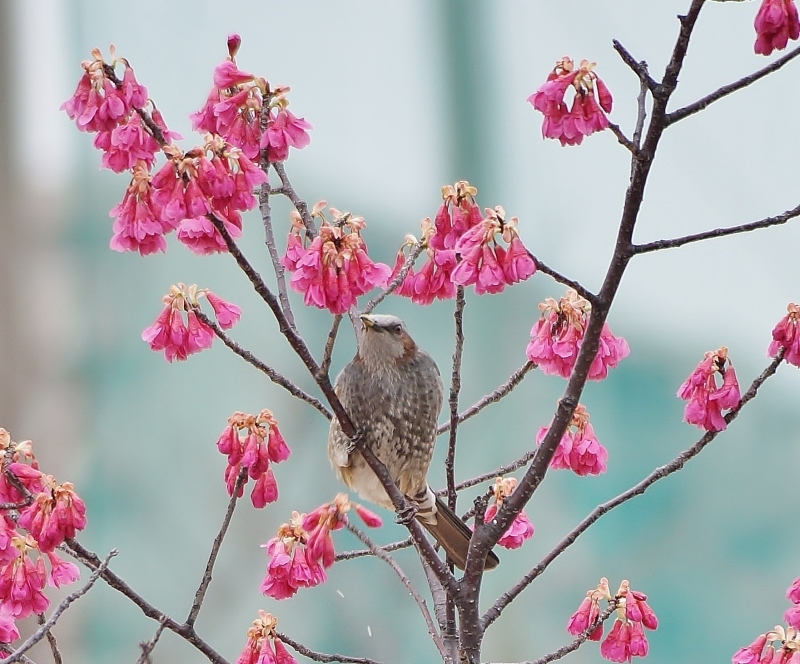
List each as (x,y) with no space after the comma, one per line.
(46,626)
(186,632)
(637,490)
(327,354)
(502,470)
(385,557)
(560,278)
(360,553)
(148,646)
(394,284)
(494,397)
(300,205)
(638,67)
(275,376)
(200,595)
(623,139)
(641,111)
(455,388)
(579,640)
(27,496)
(51,639)
(7,650)
(321,656)
(718,232)
(725,90)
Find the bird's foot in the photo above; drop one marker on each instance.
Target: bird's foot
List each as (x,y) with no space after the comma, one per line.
(354,442)
(407,514)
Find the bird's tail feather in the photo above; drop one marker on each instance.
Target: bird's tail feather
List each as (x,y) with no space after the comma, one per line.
(451,532)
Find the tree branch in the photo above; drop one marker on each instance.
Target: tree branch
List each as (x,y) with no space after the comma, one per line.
(394,546)
(494,397)
(300,205)
(730,88)
(275,376)
(637,490)
(560,278)
(455,388)
(579,640)
(51,639)
(327,353)
(717,232)
(638,67)
(45,626)
(320,656)
(623,139)
(394,284)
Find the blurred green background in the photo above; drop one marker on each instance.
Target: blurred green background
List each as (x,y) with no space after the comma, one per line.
(406,97)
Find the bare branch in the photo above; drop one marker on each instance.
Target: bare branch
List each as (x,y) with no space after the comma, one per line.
(327,354)
(275,376)
(579,640)
(730,88)
(638,67)
(148,646)
(641,114)
(360,553)
(385,557)
(47,625)
(51,639)
(300,205)
(623,139)
(200,595)
(560,278)
(502,470)
(320,656)
(717,232)
(494,397)
(455,388)
(394,284)
(637,490)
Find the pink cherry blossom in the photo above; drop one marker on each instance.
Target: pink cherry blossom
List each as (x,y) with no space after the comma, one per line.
(61,573)
(786,335)
(263,645)
(578,450)
(227,313)
(55,514)
(706,399)
(289,567)
(793,592)
(590,104)
(284,130)
(556,339)
(139,224)
(126,145)
(334,270)
(617,645)
(752,653)
(521,528)
(22,581)
(792,616)
(8,630)
(776,23)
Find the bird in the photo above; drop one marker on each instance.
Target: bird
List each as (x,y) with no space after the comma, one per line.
(393,392)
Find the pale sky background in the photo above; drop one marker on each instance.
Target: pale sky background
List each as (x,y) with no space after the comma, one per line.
(405,97)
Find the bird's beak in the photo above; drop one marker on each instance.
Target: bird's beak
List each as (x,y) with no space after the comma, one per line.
(367,321)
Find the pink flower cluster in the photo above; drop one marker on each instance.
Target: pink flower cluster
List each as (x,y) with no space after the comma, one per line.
(781,645)
(179,339)
(334,270)
(303,548)
(578,450)
(706,398)
(557,337)
(236,105)
(521,528)
(786,335)
(55,514)
(591,102)
(776,23)
(262,443)
(626,638)
(792,615)
(463,250)
(263,645)
(213,180)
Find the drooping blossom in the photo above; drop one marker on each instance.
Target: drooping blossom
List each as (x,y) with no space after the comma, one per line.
(578,450)
(591,102)
(126,145)
(55,514)
(588,611)
(752,653)
(24,467)
(521,528)
(263,645)
(62,572)
(484,262)
(289,568)
(776,23)
(8,630)
(786,335)
(178,338)
(22,581)
(253,442)
(334,269)
(780,645)
(284,131)
(236,106)
(792,615)
(706,398)
(557,337)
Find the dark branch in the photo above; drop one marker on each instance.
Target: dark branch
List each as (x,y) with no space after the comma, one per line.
(718,232)
(320,656)
(623,139)
(327,353)
(360,553)
(579,640)
(560,278)
(638,67)
(730,88)
(637,490)
(455,388)
(275,376)
(300,205)
(394,284)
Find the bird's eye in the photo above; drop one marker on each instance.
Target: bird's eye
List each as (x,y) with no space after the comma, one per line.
(396,328)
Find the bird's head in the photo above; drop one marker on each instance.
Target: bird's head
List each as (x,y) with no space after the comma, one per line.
(384,339)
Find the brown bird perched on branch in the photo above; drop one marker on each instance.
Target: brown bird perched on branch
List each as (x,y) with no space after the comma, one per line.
(393,392)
